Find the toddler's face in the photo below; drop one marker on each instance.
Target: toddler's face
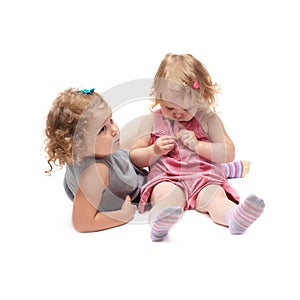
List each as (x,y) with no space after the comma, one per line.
(176,108)
(104,134)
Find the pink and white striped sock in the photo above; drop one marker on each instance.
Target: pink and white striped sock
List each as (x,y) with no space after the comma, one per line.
(164,221)
(236,169)
(242,216)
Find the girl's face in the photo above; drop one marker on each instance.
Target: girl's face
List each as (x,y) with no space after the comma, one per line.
(177,112)
(104,134)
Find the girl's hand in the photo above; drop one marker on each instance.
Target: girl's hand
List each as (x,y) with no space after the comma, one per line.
(128,208)
(164,144)
(189,139)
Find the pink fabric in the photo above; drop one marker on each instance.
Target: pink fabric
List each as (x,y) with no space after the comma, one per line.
(182,166)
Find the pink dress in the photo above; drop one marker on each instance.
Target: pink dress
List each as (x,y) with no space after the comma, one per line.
(182,166)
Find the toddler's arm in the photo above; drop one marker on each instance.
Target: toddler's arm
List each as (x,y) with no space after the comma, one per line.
(219,149)
(86,217)
(142,153)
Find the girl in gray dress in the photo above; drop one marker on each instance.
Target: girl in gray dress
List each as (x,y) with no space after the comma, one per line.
(100,178)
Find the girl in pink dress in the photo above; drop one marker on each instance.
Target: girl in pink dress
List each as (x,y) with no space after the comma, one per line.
(184,143)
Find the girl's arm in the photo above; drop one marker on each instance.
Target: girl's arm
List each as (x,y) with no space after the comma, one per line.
(86,217)
(142,152)
(219,149)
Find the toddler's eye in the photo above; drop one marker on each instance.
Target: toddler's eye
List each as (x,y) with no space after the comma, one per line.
(102,130)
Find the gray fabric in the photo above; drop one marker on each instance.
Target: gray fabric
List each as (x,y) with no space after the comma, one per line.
(125,179)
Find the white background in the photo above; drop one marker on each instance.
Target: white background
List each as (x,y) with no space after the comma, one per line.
(250,47)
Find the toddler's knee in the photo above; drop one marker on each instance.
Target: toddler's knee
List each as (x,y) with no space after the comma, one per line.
(206,196)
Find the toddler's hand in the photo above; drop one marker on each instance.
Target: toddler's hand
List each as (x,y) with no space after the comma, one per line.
(188,139)
(129,208)
(164,144)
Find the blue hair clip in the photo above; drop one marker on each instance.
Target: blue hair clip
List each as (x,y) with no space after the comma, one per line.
(86,91)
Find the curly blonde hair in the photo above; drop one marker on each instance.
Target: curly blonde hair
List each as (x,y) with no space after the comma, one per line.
(66,126)
(177,74)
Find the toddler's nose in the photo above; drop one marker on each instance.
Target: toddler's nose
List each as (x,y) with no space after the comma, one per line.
(177,115)
(114,130)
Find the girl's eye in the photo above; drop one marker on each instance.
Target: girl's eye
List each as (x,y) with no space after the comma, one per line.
(102,130)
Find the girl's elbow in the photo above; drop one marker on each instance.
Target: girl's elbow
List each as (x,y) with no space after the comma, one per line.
(230,153)
(79,227)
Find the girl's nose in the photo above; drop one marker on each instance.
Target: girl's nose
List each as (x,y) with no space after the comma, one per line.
(177,115)
(114,130)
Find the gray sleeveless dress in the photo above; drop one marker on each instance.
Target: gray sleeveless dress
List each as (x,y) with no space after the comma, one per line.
(124,179)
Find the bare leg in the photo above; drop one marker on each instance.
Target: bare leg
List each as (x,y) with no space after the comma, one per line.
(213,200)
(165,194)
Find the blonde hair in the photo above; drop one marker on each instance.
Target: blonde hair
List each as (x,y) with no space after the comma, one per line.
(66,126)
(177,74)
